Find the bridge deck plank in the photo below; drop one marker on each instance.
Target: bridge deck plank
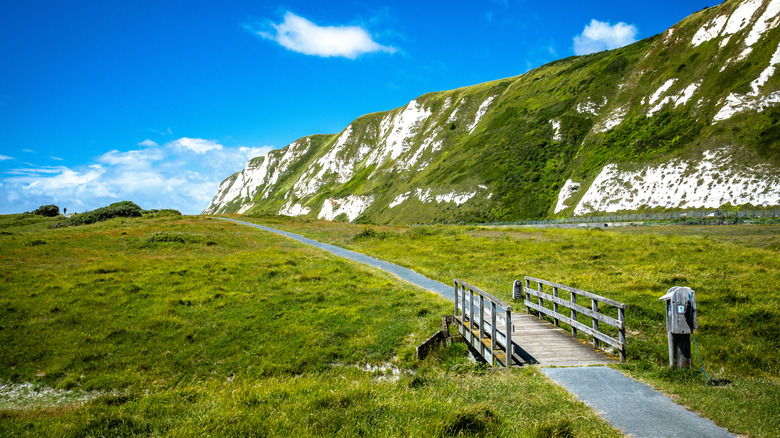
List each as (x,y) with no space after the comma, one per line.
(544,344)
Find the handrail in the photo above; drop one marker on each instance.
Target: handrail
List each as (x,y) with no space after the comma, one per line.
(574,309)
(488,337)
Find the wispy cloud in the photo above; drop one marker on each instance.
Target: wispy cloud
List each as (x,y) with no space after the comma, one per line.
(303,36)
(599,35)
(183,174)
(5,157)
(148,143)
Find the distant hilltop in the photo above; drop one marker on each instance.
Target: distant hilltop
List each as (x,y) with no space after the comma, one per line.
(683,120)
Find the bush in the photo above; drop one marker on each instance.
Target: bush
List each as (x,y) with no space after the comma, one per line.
(167,212)
(370,233)
(117,209)
(48,210)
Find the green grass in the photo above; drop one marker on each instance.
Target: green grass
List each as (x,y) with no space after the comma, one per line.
(733,270)
(177,326)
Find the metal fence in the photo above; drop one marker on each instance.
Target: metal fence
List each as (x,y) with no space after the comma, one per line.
(685,217)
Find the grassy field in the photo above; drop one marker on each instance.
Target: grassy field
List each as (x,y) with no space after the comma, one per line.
(733,269)
(176,326)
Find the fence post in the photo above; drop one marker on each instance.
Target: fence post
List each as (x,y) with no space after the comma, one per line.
(527,295)
(456,298)
(541,301)
(508,333)
(493,341)
(595,307)
(573,313)
(481,324)
(622,331)
(555,306)
(471,315)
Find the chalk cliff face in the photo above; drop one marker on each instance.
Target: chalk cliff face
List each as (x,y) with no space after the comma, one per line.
(685,119)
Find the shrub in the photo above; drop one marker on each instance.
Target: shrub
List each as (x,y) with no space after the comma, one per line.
(166,212)
(370,233)
(48,210)
(117,209)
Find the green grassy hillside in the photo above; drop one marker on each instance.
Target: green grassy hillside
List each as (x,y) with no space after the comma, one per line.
(504,150)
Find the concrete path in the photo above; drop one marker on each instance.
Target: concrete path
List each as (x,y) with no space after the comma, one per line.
(633,407)
(405,274)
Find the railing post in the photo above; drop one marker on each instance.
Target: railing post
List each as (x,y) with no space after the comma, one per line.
(481,324)
(463,303)
(595,307)
(573,313)
(508,334)
(493,342)
(540,300)
(456,298)
(527,295)
(471,314)
(622,331)
(555,306)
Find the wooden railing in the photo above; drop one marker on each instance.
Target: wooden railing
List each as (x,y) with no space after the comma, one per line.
(525,294)
(485,322)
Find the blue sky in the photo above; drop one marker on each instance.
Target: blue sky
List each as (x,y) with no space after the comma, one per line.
(158,101)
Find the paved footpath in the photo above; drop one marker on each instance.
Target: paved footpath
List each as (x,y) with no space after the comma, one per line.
(633,407)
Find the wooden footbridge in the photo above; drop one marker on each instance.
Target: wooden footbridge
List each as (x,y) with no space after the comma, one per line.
(504,337)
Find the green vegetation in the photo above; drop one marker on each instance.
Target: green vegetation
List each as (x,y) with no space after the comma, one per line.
(658,97)
(117,209)
(139,326)
(731,268)
(48,210)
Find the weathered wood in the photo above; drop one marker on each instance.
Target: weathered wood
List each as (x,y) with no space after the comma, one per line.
(596,316)
(622,333)
(583,310)
(573,312)
(498,301)
(587,294)
(482,327)
(539,342)
(580,326)
(595,305)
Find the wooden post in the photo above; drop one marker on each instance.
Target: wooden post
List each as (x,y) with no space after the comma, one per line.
(622,333)
(573,313)
(493,341)
(527,295)
(595,307)
(471,314)
(463,303)
(481,324)
(456,298)
(541,302)
(508,337)
(555,306)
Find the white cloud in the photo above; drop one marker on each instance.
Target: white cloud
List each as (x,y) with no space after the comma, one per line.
(301,35)
(599,35)
(5,157)
(183,174)
(56,158)
(197,145)
(148,143)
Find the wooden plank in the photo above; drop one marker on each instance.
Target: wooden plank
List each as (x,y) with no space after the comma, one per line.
(583,310)
(498,301)
(580,326)
(604,300)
